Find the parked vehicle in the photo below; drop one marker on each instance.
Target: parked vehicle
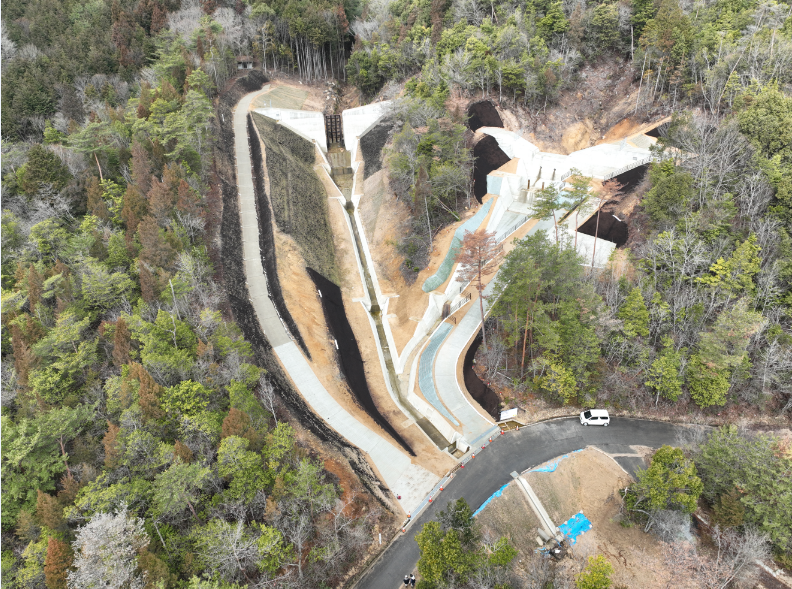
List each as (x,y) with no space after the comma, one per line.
(595,417)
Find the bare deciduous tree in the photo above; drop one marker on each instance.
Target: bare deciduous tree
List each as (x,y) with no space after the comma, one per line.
(478,257)
(733,560)
(229,550)
(106,550)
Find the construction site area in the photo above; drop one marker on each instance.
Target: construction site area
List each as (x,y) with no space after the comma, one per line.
(382,367)
(384,362)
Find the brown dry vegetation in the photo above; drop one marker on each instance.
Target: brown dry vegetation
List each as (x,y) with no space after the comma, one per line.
(599,109)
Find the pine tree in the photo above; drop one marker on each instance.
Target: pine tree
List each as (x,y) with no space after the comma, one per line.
(596,575)
(35,286)
(23,357)
(728,510)
(121,343)
(149,393)
(155,251)
(148,285)
(736,275)
(664,374)
(635,314)
(69,488)
(57,563)
(161,200)
(183,452)
(134,209)
(238,423)
(110,442)
(707,385)
(187,199)
(43,168)
(49,511)
(96,204)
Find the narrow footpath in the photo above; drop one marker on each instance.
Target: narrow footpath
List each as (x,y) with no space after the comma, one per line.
(394,466)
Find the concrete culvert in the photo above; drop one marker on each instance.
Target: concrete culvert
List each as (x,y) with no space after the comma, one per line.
(350,360)
(612,224)
(483,114)
(483,395)
(488,157)
(658,131)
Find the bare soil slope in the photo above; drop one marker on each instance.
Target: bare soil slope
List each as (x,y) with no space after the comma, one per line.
(586,481)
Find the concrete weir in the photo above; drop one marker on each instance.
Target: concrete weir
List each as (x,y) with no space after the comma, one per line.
(394,466)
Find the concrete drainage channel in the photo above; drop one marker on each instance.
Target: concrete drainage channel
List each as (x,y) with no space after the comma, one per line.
(376,314)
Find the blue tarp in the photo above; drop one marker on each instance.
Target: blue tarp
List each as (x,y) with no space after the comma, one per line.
(497,493)
(551,466)
(574,526)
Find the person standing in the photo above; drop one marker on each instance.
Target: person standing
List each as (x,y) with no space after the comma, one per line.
(406,581)
(412,580)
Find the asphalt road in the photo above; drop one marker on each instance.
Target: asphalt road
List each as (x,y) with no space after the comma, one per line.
(517,451)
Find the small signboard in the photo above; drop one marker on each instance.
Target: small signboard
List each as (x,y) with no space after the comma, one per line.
(508,414)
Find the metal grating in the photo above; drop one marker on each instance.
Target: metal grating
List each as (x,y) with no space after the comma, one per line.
(334,130)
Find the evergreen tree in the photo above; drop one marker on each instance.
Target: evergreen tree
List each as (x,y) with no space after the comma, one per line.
(57,563)
(42,168)
(664,374)
(596,575)
(634,314)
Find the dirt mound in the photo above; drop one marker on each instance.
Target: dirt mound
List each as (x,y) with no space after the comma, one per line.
(586,481)
(488,157)
(483,113)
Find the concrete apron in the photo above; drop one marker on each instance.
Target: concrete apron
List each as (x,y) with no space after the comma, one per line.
(411,481)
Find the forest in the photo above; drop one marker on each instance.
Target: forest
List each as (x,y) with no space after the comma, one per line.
(144,446)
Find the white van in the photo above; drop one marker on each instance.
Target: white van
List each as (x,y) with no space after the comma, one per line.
(595,417)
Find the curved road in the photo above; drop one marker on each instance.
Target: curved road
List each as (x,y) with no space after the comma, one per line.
(517,451)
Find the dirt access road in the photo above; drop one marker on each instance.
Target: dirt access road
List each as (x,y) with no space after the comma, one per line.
(517,450)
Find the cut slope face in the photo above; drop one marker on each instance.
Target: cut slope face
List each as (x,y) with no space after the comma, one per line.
(488,157)
(605,226)
(483,395)
(371,144)
(299,200)
(483,114)
(267,239)
(349,357)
